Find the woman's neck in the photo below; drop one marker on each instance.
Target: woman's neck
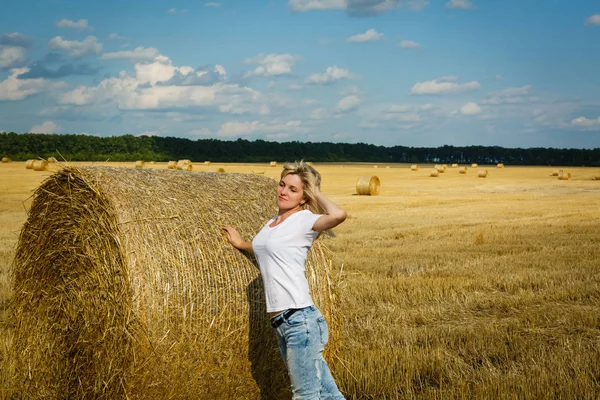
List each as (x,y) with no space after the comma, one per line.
(285,213)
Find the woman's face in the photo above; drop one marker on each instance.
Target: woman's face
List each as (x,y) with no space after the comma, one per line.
(290,192)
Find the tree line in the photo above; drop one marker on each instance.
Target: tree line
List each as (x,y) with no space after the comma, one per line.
(21,147)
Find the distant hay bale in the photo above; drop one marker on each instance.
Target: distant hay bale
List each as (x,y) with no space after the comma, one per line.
(434,173)
(500,165)
(6,160)
(368,185)
(387,166)
(220,169)
(462,170)
(564,176)
(454,165)
(29,164)
(474,165)
(482,173)
(185,165)
(172,165)
(206,162)
(273,163)
(124,286)
(556,172)
(139,164)
(441,168)
(52,160)
(414,167)
(40,165)
(152,162)
(375,166)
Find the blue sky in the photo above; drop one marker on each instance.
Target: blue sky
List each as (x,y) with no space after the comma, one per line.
(512,73)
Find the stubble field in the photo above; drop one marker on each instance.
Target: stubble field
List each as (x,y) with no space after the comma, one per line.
(452,287)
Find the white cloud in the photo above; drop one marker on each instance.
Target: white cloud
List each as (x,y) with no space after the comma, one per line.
(348,103)
(212,4)
(593,20)
(139,54)
(332,74)
(11,56)
(46,127)
(273,130)
(442,86)
(470,109)
(586,123)
(319,113)
(517,95)
(13,88)
(409,44)
(67,23)
(369,36)
(272,64)
(308,5)
(462,4)
(76,49)
(171,10)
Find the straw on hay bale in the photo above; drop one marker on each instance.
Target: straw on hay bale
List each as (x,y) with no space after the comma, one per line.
(482,173)
(500,165)
(6,160)
(206,162)
(564,176)
(273,163)
(556,172)
(368,185)
(139,164)
(434,173)
(125,287)
(474,165)
(414,167)
(29,164)
(40,165)
(52,160)
(172,165)
(462,170)
(454,165)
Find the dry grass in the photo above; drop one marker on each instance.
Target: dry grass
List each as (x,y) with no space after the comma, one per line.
(453,288)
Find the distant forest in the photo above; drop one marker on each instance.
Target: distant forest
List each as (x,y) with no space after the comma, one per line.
(21,147)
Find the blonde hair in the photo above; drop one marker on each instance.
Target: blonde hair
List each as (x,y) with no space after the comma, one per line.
(310,178)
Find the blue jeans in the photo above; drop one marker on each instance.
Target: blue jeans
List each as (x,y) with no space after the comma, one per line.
(302,338)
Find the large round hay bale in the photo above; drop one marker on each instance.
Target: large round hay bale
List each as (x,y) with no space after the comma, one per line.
(368,185)
(482,173)
(273,163)
(564,175)
(462,170)
(185,165)
(474,165)
(454,165)
(440,168)
(139,164)
(414,167)
(6,160)
(206,162)
(29,164)
(434,173)
(52,160)
(219,169)
(500,165)
(124,286)
(172,165)
(40,165)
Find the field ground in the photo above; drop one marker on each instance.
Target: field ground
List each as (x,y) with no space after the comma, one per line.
(452,287)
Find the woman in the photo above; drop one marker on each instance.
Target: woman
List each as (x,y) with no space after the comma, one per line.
(280,249)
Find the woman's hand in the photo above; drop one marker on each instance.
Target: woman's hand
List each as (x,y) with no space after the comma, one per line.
(236,240)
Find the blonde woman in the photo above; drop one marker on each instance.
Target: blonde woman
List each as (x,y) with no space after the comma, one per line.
(280,248)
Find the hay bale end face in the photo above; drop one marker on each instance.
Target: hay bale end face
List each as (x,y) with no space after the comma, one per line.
(368,186)
(125,287)
(40,165)
(6,160)
(564,176)
(172,165)
(29,164)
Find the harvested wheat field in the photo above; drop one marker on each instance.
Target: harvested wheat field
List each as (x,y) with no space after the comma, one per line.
(449,288)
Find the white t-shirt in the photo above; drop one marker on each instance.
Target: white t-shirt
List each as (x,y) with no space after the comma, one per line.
(281,254)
